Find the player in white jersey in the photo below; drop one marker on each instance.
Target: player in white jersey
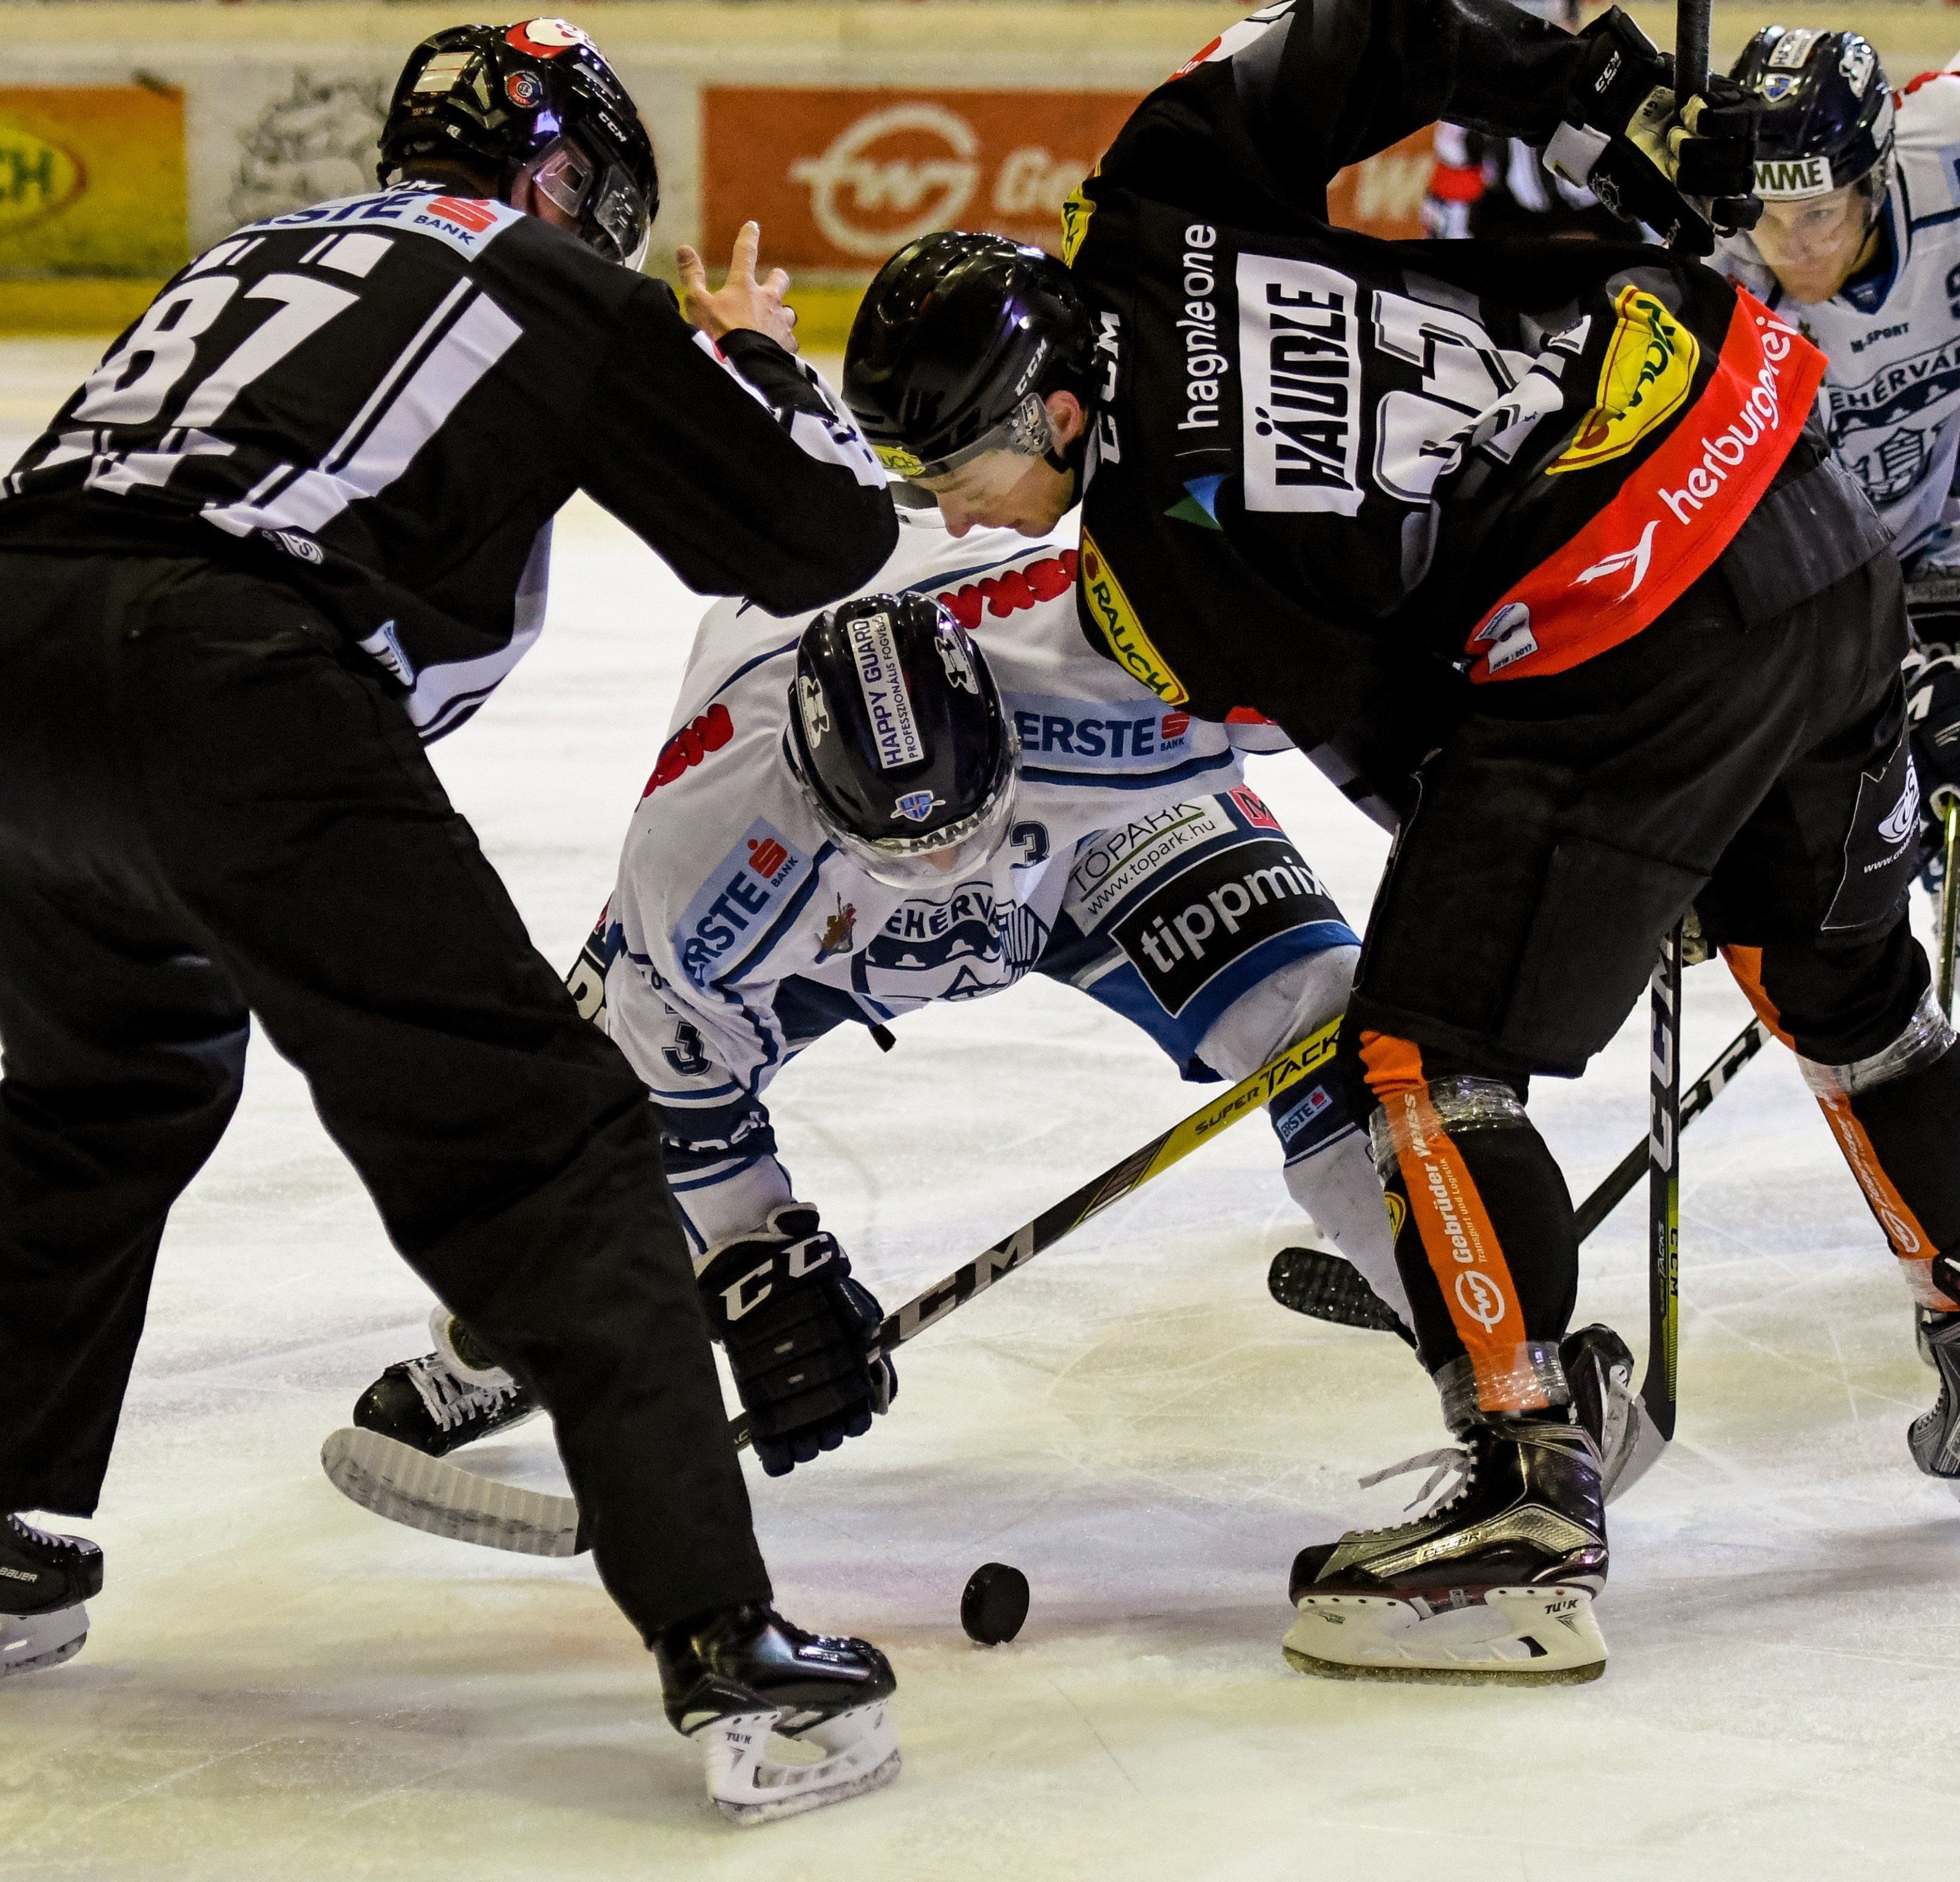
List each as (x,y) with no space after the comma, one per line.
(1859,245)
(1124,854)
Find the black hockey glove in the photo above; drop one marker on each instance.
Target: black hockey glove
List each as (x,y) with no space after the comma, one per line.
(1933,710)
(1687,174)
(797,1330)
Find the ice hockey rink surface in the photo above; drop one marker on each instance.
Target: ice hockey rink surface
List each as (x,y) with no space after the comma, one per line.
(280,1685)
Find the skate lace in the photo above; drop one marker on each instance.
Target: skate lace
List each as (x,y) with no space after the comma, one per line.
(451,1401)
(43,1538)
(1453,1461)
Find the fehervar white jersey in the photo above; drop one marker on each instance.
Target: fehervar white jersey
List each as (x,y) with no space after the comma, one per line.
(729,885)
(1890,399)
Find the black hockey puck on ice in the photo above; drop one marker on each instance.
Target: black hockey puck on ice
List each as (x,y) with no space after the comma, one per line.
(995,1604)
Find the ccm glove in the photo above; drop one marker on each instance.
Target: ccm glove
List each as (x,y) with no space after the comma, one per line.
(798,1331)
(1686,173)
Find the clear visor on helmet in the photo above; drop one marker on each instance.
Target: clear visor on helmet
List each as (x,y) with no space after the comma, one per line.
(601,197)
(986,466)
(913,863)
(1811,242)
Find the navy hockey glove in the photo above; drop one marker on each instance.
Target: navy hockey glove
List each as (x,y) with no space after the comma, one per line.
(1688,173)
(798,1331)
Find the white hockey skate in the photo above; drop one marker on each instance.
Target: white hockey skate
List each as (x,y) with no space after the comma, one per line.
(1495,1583)
(52,1576)
(736,1678)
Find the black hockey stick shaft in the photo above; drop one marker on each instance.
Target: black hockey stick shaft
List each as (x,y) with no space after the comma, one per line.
(1690,48)
(1658,1388)
(1949,902)
(1616,1187)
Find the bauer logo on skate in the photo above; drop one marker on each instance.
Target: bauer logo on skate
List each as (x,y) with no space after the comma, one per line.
(733,908)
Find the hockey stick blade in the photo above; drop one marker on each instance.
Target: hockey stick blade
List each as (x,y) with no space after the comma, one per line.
(448,1499)
(405,1485)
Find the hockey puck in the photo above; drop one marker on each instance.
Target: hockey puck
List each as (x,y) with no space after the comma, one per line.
(995,1604)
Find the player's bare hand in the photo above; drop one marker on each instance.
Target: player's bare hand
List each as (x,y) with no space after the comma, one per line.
(741,300)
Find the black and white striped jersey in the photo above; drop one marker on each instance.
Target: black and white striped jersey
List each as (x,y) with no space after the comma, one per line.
(383,401)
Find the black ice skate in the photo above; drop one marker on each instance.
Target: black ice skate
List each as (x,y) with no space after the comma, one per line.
(1600,1369)
(1496,1582)
(1934,1436)
(423,1403)
(735,1678)
(44,1580)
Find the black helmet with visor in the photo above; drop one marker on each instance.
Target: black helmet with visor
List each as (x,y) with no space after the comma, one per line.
(959,341)
(533,99)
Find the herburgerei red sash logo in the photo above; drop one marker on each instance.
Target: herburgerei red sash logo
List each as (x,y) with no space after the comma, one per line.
(1671,519)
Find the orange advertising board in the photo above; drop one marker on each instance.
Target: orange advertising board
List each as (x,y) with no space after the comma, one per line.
(91,180)
(839,178)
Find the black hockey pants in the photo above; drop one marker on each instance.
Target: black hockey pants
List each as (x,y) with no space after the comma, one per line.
(1759,770)
(206,809)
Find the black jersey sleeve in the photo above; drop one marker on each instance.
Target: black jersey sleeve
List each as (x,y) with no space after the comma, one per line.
(732,462)
(1302,88)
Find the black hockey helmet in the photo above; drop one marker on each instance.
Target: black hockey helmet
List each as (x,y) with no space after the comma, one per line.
(1827,116)
(958,340)
(536,97)
(898,738)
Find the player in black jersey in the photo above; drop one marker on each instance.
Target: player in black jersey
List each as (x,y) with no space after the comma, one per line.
(1533,538)
(294,524)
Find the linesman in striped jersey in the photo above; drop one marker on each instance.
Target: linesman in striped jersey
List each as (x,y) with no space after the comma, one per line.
(295,525)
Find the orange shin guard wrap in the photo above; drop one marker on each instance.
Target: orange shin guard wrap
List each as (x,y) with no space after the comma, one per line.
(1413,1135)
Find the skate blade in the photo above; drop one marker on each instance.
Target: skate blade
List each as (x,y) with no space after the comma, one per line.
(407,1486)
(749,1787)
(1517,1636)
(32,1643)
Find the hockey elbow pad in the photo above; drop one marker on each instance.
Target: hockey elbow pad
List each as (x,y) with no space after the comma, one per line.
(800,1333)
(1686,173)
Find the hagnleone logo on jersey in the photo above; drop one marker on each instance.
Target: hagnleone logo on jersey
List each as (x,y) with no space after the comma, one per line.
(1109,608)
(1644,381)
(1791,178)
(876,654)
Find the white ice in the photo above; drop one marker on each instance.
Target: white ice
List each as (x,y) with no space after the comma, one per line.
(279,1685)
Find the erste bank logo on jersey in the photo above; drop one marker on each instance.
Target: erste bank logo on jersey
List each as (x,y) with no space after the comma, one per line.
(468,224)
(734,905)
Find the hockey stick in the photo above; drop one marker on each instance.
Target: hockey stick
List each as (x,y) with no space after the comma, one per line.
(408,1486)
(1690,47)
(1658,1388)
(1327,1286)
(1949,902)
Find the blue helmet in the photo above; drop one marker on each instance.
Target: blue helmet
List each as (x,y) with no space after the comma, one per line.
(1828,113)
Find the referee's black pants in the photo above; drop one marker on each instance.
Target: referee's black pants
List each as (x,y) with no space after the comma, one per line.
(1758,769)
(207,811)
